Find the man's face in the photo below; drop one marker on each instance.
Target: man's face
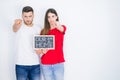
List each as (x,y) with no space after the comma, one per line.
(28,17)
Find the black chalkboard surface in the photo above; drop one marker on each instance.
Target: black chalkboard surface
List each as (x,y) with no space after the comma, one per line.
(43,41)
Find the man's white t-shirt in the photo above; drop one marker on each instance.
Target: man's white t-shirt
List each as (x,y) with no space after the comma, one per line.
(25,54)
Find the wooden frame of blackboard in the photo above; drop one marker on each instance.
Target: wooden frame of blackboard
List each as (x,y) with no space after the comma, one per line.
(44,42)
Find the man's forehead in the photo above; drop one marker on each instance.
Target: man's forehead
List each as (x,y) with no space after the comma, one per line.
(28,12)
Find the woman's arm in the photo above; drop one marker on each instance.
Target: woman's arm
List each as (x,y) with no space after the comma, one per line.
(59,27)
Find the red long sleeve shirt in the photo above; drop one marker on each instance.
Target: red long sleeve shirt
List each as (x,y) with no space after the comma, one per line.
(56,55)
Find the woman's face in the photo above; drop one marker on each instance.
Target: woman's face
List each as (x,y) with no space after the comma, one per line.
(52,18)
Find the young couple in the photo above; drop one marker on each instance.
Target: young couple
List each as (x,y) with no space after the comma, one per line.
(28,65)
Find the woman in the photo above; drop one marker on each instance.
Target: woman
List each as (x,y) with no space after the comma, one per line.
(53,60)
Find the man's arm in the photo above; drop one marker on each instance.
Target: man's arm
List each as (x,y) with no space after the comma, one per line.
(17,24)
(41,51)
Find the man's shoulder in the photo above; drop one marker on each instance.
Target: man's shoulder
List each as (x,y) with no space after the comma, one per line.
(37,26)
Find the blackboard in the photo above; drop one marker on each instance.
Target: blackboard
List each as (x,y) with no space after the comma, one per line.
(43,41)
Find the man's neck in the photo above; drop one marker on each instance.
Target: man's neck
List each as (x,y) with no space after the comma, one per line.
(29,25)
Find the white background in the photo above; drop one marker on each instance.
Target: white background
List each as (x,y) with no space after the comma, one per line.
(92,40)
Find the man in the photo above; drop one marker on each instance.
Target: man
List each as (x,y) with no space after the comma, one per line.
(27,61)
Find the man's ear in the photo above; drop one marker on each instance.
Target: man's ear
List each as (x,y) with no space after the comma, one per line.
(56,18)
(33,15)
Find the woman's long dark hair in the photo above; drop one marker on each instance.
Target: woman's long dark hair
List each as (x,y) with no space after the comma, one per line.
(46,28)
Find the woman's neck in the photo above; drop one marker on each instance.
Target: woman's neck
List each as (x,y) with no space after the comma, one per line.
(52,27)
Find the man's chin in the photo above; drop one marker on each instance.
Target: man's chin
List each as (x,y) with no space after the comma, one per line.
(28,23)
